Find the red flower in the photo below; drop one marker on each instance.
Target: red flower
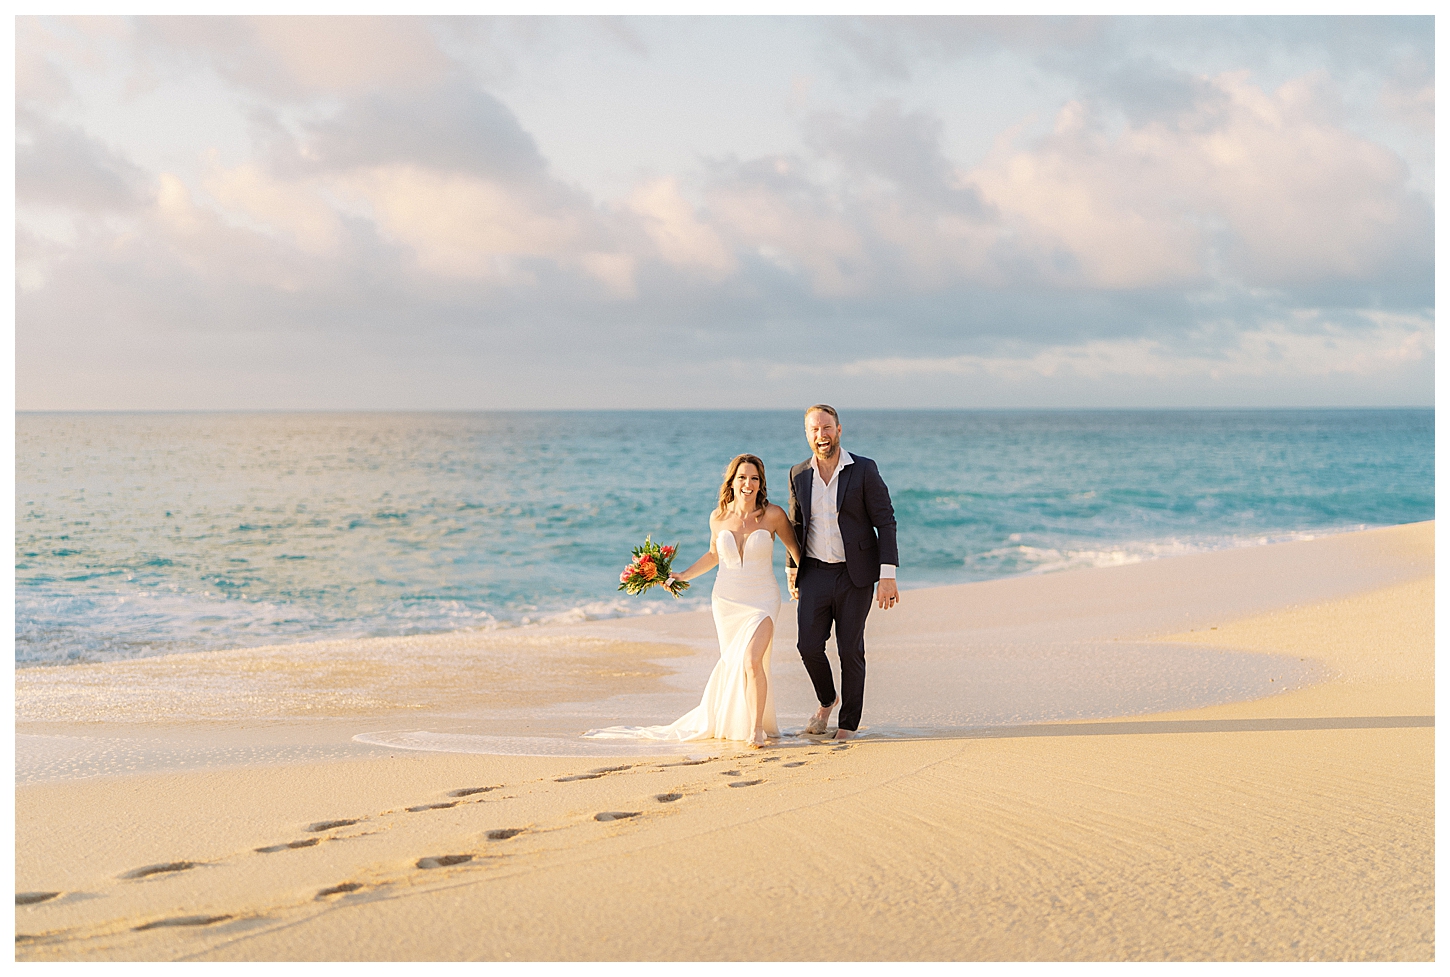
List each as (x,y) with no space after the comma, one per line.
(667,551)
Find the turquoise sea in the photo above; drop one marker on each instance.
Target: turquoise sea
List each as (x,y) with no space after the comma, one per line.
(151,533)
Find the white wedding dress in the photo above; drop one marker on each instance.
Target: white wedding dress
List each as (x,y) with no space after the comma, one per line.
(745,594)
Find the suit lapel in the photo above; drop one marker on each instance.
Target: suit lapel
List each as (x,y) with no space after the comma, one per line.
(803,489)
(841,481)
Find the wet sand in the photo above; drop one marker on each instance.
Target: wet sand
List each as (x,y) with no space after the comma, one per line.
(1294,825)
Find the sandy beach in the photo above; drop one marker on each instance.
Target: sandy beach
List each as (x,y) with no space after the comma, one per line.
(1223,756)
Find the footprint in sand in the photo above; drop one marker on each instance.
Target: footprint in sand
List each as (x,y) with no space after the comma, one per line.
(770,759)
(797,763)
(745,783)
(470,791)
(432,807)
(843,746)
(443,861)
(729,773)
(329,825)
(31,898)
(685,763)
(180,921)
(141,873)
(334,890)
(668,798)
(304,843)
(616,815)
(503,834)
(594,774)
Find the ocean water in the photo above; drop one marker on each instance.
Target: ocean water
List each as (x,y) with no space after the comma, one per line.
(152,533)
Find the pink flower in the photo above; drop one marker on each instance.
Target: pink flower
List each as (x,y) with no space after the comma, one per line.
(624,577)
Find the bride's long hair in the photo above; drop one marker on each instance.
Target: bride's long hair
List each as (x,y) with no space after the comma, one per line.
(727,487)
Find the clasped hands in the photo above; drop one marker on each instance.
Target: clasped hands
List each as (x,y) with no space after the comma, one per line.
(886,594)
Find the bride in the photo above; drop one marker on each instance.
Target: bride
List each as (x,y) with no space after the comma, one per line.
(737,704)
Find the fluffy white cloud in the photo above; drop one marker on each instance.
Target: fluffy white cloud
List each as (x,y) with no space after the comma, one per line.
(681,238)
(1261,187)
(458,225)
(296,210)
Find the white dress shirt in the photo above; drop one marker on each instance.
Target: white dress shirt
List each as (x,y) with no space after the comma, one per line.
(823,537)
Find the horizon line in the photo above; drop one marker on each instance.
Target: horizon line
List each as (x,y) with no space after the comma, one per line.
(686,410)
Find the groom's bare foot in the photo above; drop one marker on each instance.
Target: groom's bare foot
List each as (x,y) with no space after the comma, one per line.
(844,734)
(821,719)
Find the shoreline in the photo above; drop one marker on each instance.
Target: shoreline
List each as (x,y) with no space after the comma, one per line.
(1077,645)
(1178,834)
(545,623)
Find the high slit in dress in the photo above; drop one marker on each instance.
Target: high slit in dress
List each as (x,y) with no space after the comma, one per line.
(745,595)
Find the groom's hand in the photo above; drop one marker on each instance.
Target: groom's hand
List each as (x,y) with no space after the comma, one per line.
(795,593)
(886,596)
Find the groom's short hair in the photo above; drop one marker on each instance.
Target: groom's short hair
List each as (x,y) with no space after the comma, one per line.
(827,408)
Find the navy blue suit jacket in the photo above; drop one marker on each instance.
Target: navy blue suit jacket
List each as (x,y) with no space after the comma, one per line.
(864,513)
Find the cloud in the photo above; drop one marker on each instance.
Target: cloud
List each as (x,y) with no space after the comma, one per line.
(1031,243)
(1150,91)
(1222,181)
(903,148)
(876,214)
(1408,94)
(448,174)
(768,209)
(1174,228)
(1100,50)
(60,165)
(1307,357)
(1307,347)
(452,126)
(296,58)
(296,210)
(681,237)
(179,268)
(39,81)
(896,46)
(462,226)
(1265,189)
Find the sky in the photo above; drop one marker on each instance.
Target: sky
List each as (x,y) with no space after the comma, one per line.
(754,212)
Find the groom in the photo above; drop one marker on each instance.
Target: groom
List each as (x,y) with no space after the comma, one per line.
(841,513)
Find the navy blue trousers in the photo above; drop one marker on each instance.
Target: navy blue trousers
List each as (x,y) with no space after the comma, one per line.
(829,598)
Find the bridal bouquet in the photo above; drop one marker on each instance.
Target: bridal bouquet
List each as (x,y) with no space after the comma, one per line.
(650,568)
